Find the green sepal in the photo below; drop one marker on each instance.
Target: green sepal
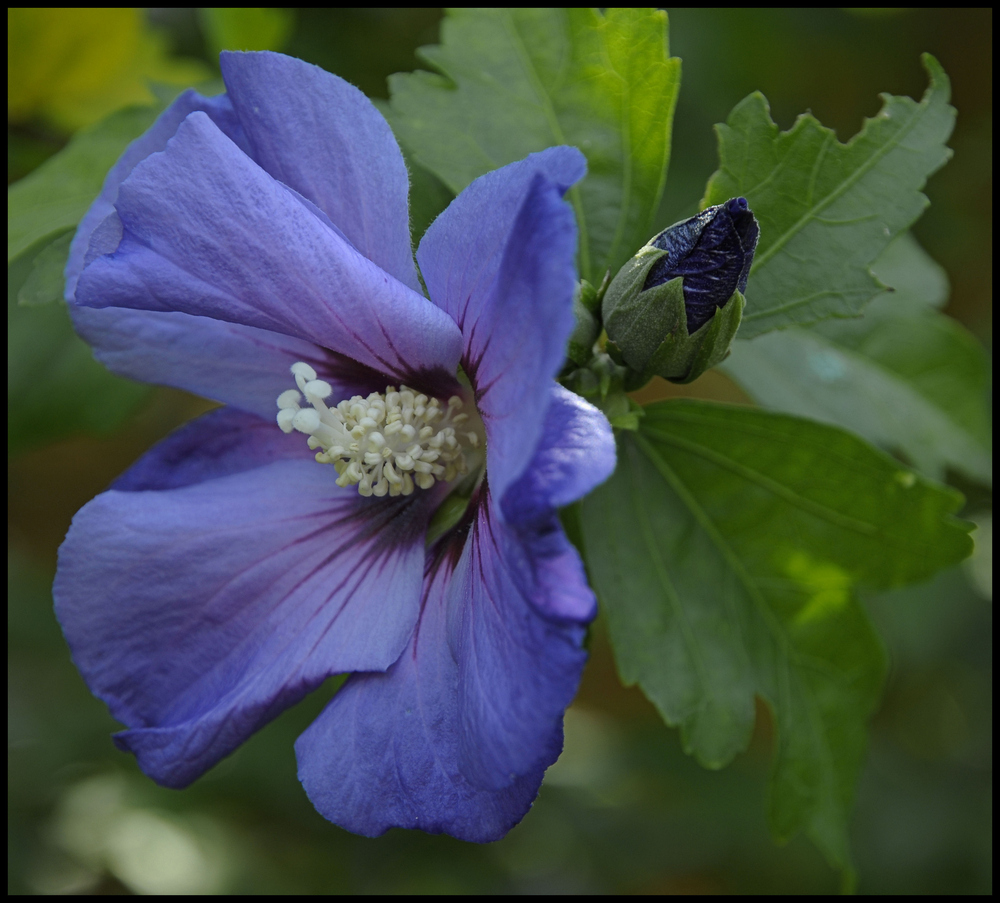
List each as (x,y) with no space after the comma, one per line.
(683,358)
(581,342)
(627,418)
(448,514)
(632,319)
(589,296)
(647,328)
(603,382)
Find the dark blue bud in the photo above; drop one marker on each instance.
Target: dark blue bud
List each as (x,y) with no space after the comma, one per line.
(674,308)
(713,251)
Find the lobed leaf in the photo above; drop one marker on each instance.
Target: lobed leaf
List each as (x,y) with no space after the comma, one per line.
(515,81)
(903,376)
(726,550)
(429,196)
(827,210)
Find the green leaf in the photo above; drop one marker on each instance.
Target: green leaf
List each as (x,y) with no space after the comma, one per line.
(55,388)
(57,194)
(726,550)
(428,194)
(516,81)
(74,66)
(903,376)
(428,198)
(246,28)
(827,210)
(45,282)
(914,278)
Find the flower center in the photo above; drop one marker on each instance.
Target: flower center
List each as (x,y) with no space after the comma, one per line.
(386,443)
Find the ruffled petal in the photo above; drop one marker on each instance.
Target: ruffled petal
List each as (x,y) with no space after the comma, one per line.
(227,362)
(455,737)
(219,110)
(576,453)
(223,361)
(500,260)
(218,444)
(321,136)
(198,614)
(204,231)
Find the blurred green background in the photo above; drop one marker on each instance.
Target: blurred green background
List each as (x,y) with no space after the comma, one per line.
(623,811)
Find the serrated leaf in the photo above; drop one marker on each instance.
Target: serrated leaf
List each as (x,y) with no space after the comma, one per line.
(55,388)
(827,210)
(57,194)
(725,551)
(914,278)
(903,376)
(429,196)
(515,81)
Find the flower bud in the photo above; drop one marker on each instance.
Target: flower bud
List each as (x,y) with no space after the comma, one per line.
(674,308)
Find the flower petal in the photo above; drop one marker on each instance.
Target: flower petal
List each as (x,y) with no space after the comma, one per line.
(229,363)
(460,253)
(236,365)
(500,261)
(576,453)
(220,443)
(519,602)
(206,232)
(198,614)
(456,735)
(324,138)
(221,112)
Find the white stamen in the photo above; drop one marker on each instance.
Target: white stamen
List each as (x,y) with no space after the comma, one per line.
(385,444)
(316,388)
(289,399)
(304,370)
(306,420)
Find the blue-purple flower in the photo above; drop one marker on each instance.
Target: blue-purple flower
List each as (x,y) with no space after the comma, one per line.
(254,248)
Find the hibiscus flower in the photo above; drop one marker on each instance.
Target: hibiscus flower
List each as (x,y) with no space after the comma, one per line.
(398,522)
